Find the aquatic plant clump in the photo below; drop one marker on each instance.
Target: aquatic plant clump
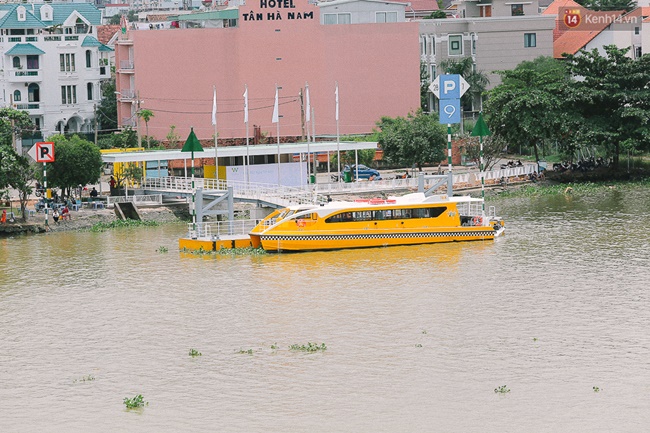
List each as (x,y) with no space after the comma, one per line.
(103,226)
(245,351)
(162,249)
(503,389)
(247,251)
(135,402)
(193,353)
(310,347)
(88,378)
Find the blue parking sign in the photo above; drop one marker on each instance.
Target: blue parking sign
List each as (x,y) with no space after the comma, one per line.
(450,110)
(450,86)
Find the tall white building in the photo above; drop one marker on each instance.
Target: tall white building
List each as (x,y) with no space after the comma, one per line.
(52,63)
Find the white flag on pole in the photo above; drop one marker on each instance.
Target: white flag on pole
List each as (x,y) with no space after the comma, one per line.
(308,112)
(276,113)
(337,101)
(214,107)
(246,105)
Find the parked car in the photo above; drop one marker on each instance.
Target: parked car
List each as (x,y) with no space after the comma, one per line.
(364,172)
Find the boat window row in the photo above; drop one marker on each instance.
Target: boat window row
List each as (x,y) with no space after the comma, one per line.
(386,214)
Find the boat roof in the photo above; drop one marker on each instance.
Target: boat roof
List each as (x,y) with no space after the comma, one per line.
(391,202)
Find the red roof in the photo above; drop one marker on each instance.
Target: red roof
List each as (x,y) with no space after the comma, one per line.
(424,5)
(106,32)
(554,8)
(571,42)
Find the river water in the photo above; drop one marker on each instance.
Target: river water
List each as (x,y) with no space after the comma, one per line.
(417,338)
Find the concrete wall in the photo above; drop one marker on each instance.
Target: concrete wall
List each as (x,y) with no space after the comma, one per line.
(499,41)
(362,12)
(376,66)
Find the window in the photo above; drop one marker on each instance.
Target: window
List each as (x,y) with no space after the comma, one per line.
(66,62)
(516,10)
(473,43)
(637,52)
(530,40)
(34,93)
(433,45)
(386,17)
(32,62)
(21,13)
(434,73)
(16,95)
(16,62)
(636,30)
(88,59)
(337,19)
(423,45)
(89,89)
(68,94)
(455,45)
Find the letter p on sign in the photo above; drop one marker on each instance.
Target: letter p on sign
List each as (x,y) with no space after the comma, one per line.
(42,151)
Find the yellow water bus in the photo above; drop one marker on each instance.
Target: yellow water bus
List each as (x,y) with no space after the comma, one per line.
(407,220)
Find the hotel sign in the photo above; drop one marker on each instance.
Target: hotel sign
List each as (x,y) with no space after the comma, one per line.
(277,10)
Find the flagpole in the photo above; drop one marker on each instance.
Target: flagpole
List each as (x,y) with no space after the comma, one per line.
(313,136)
(338,137)
(248,159)
(307,119)
(276,120)
(214,123)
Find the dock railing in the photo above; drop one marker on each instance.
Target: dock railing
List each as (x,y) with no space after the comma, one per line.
(150,199)
(218,229)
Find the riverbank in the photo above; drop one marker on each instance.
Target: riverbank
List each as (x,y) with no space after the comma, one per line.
(85,219)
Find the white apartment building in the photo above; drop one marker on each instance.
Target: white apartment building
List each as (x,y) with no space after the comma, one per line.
(52,63)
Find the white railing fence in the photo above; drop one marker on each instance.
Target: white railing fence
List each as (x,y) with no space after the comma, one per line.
(286,196)
(149,199)
(219,229)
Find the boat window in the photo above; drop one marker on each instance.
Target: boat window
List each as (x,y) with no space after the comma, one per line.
(385,214)
(365,215)
(428,212)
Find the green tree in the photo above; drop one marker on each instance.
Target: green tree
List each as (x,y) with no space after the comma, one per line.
(417,139)
(172,137)
(425,79)
(78,162)
(436,15)
(107,109)
(146,115)
(365,157)
(531,106)
(15,170)
(612,99)
(477,80)
(609,5)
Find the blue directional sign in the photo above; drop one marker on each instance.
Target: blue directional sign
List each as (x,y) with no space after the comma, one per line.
(449,86)
(450,110)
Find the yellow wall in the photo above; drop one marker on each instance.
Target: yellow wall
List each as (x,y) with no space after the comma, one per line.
(208,172)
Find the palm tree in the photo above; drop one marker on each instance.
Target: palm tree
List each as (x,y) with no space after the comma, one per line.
(477,80)
(146,115)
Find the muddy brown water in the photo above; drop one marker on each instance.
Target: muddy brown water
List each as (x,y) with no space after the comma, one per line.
(417,338)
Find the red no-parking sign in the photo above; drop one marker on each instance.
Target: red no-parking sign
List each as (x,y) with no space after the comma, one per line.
(42,151)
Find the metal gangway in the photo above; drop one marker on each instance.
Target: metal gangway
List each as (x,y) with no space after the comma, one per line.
(282,196)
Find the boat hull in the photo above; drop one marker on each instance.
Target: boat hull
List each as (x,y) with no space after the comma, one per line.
(312,240)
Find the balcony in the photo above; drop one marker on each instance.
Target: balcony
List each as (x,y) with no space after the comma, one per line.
(126,66)
(126,94)
(33,108)
(21,76)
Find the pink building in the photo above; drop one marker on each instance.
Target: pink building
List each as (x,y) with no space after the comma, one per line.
(172,72)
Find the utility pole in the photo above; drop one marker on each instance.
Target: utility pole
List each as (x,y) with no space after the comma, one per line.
(95,111)
(137,118)
(302,115)
(13,124)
